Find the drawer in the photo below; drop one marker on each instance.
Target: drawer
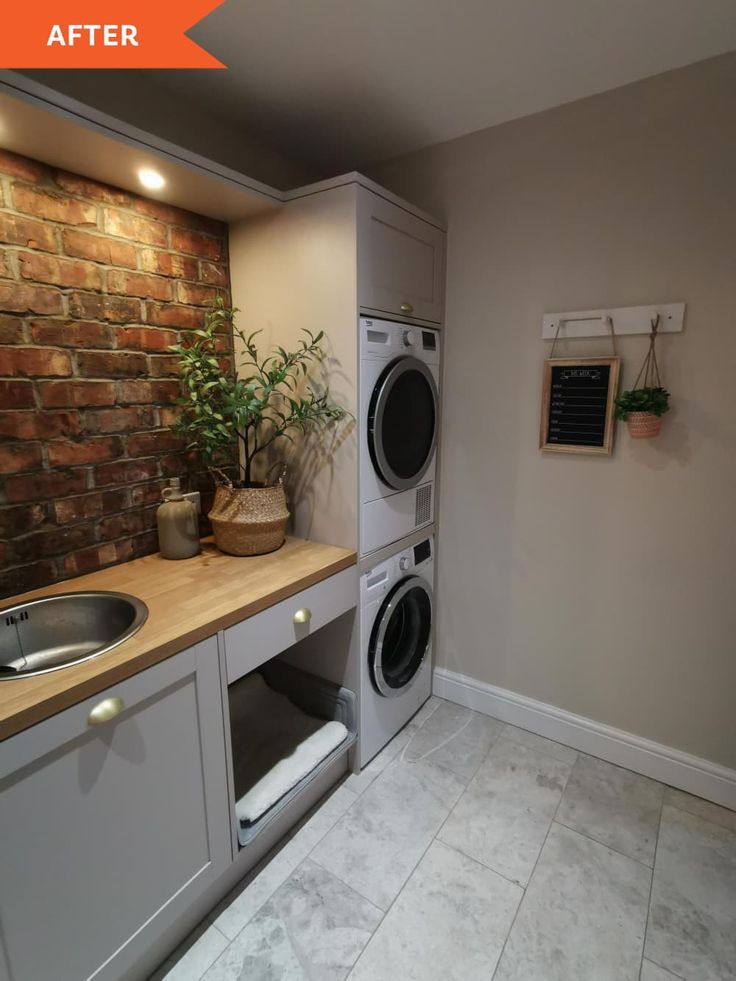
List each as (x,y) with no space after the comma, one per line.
(263,636)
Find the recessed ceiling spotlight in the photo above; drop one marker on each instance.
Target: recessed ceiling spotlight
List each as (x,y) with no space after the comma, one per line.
(151,179)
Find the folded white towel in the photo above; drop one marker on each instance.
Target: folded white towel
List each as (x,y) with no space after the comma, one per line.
(275,745)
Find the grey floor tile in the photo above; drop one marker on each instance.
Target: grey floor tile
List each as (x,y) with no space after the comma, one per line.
(449,923)
(375,846)
(548,746)
(583,915)
(503,817)
(455,737)
(653,972)
(244,901)
(360,782)
(432,703)
(615,806)
(723,816)
(692,919)
(193,957)
(313,927)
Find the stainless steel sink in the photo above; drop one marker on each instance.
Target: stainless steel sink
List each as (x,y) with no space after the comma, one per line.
(57,631)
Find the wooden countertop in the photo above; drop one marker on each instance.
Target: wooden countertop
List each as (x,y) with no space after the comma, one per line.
(187,601)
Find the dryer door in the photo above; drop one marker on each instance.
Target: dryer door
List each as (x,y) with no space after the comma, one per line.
(400,638)
(402,422)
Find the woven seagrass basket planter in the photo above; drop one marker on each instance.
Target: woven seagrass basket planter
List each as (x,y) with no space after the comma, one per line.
(249,520)
(643,425)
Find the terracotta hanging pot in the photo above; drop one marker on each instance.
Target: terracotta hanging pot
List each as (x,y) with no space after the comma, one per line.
(643,425)
(249,520)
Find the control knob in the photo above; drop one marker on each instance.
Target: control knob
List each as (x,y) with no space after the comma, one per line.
(408,338)
(404,563)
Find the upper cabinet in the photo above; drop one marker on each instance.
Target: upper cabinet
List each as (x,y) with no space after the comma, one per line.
(401,266)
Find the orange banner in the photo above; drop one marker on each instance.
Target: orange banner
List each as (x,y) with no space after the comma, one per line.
(112,34)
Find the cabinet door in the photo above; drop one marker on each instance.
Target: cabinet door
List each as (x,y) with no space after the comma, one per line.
(401,264)
(108,832)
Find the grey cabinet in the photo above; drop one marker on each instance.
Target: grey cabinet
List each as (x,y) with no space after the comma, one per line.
(108,832)
(400,260)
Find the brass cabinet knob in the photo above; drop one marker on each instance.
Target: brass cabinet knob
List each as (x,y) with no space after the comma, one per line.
(406,308)
(303,616)
(105,710)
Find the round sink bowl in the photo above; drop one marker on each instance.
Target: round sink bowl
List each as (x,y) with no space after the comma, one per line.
(57,631)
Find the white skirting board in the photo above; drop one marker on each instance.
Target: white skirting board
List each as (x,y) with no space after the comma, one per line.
(671,766)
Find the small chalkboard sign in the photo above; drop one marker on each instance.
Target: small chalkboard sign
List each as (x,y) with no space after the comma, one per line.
(577,405)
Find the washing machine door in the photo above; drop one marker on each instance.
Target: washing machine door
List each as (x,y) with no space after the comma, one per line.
(400,638)
(402,422)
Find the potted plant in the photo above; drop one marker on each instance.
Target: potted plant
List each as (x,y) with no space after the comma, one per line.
(234,418)
(642,409)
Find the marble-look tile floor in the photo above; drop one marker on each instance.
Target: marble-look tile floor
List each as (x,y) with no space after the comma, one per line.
(470,850)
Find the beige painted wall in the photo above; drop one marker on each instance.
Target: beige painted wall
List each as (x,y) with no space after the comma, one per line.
(604,586)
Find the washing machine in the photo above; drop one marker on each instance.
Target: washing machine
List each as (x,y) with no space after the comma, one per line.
(396,628)
(399,419)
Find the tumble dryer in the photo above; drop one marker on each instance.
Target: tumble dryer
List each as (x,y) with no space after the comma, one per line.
(396,625)
(399,419)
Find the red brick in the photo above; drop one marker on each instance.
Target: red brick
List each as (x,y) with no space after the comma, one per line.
(148,493)
(146,338)
(125,472)
(86,188)
(39,486)
(139,284)
(58,395)
(20,519)
(87,560)
(111,364)
(71,454)
(16,395)
(26,424)
(71,333)
(89,506)
(15,457)
(11,330)
(52,541)
(145,392)
(172,315)
(5,271)
(16,581)
(21,298)
(120,420)
(197,243)
(36,362)
(16,230)
(210,273)
(23,167)
(53,207)
(59,272)
(175,464)
(198,295)
(116,309)
(164,364)
(84,245)
(128,523)
(177,216)
(169,415)
(131,227)
(160,441)
(169,264)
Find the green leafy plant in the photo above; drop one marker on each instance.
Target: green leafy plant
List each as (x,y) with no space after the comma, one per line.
(231,419)
(654,400)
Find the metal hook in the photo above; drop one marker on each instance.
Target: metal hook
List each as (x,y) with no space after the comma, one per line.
(655,324)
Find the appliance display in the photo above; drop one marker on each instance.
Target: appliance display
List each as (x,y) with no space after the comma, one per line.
(396,624)
(399,418)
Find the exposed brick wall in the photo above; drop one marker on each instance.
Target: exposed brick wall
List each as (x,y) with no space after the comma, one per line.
(95,284)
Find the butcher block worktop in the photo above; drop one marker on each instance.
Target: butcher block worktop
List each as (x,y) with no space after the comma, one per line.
(187,601)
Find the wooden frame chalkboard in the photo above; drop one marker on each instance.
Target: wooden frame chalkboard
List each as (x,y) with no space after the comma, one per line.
(577,405)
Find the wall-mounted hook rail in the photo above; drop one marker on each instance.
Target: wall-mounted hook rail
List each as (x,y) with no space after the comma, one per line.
(626,320)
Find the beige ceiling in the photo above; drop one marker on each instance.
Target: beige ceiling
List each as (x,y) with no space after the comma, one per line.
(342,84)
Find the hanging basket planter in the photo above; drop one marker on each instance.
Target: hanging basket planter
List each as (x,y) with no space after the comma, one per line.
(642,408)
(643,425)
